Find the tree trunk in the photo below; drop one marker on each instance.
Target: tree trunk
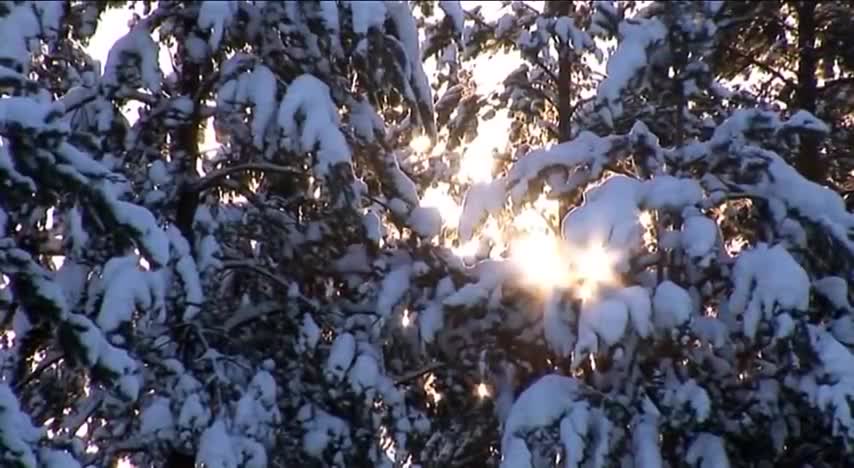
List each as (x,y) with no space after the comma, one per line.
(809,160)
(564,90)
(187,149)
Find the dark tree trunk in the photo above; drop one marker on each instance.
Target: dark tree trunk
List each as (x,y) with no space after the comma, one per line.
(187,149)
(809,160)
(564,90)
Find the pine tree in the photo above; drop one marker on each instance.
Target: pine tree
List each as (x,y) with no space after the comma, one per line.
(804,51)
(295,297)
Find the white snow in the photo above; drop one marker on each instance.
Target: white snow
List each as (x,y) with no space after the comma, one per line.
(125,288)
(193,414)
(707,451)
(608,218)
(157,418)
(425,221)
(645,442)
(139,44)
(365,120)
(638,302)
(22,24)
(340,356)
(834,289)
(400,12)
(367,14)
(607,318)
(322,429)
(185,266)
(539,405)
(454,10)
(480,200)
(515,454)
(218,15)
(153,241)
(309,333)
(215,448)
(699,236)
(574,429)
(393,287)
(257,88)
(57,459)
(430,320)
(666,192)
(309,97)
(364,373)
(627,61)
(672,306)
(764,281)
(18,436)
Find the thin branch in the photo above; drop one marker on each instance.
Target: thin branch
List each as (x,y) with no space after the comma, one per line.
(212,178)
(418,373)
(246,265)
(764,66)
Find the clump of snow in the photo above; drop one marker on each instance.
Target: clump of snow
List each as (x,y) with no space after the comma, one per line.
(309,333)
(574,429)
(365,120)
(322,429)
(835,290)
(666,192)
(340,356)
(125,288)
(454,10)
(766,280)
(309,98)
(699,236)
(215,448)
(394,286)
(638,302)
(608,217)
(628,60)
(156,418)
(187,271)
(217,15)
(367,14)
(18,436)
(607,318)
(645,442)
(672,306)
(364,373)
(257,88)
(425,221)
(139,45)
(707,451)
(24,22)
(480,200)
(540,405)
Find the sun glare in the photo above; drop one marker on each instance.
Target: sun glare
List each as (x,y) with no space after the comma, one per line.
(594,264)
(439,198)
(540,260)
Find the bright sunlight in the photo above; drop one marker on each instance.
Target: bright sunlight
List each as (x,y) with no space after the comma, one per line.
(540,260)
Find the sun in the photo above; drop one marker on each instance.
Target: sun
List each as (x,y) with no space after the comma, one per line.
(540,260)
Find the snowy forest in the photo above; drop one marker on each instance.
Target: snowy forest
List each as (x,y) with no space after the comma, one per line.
(426,234)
